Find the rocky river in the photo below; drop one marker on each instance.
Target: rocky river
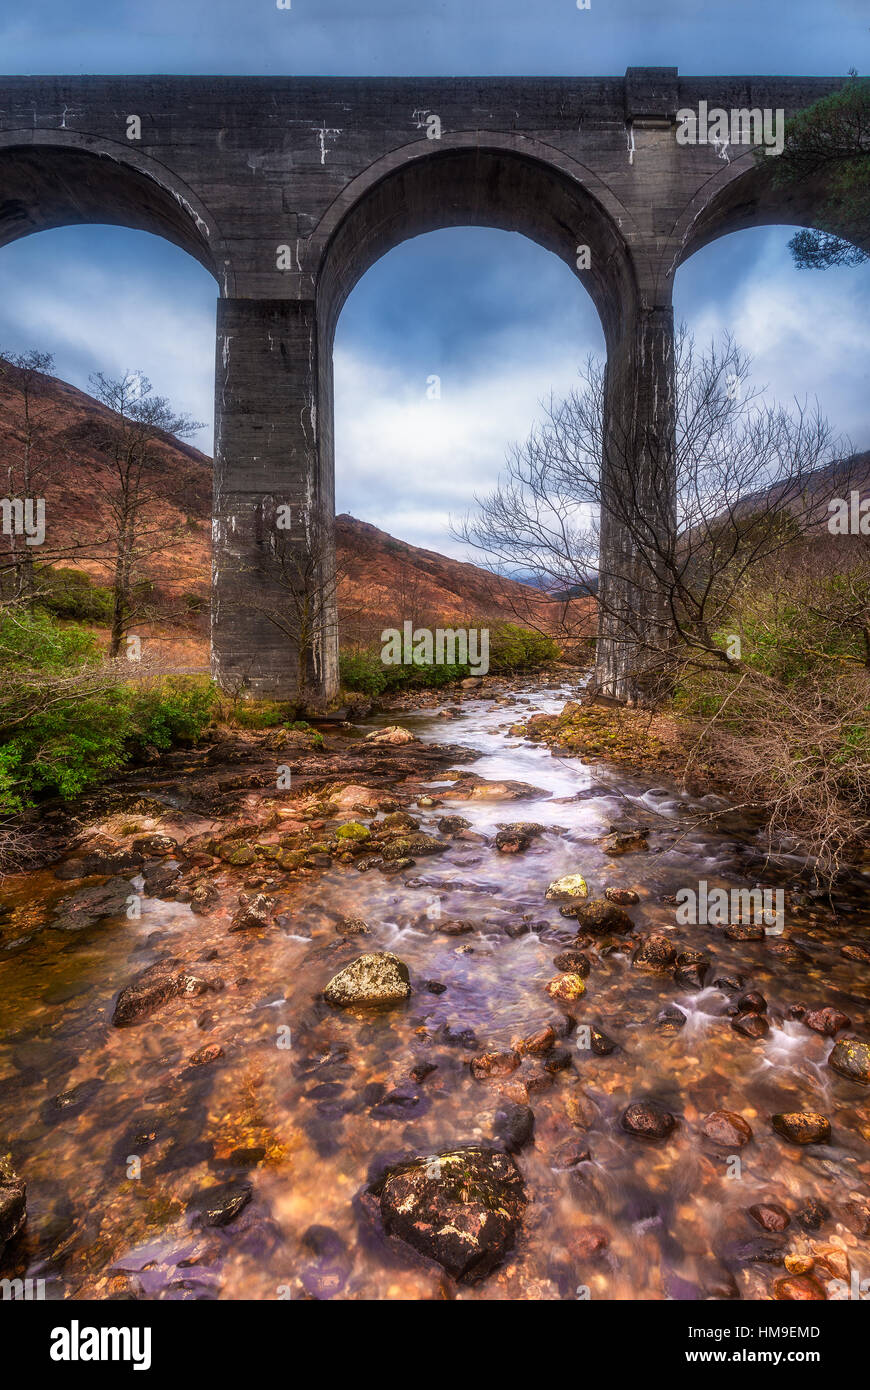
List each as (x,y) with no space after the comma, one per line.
(535,1084)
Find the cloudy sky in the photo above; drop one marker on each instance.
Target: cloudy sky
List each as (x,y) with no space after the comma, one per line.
(498,319)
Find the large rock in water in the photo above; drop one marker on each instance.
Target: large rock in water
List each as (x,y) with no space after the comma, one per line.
(13,1207)
(566,888)
(851,1058)
(147,991)
(375,979)
(461,1208)
(393,734)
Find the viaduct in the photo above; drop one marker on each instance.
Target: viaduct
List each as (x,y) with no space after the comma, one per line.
(289,189)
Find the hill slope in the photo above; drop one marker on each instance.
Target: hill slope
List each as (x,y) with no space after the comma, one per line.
(384,581)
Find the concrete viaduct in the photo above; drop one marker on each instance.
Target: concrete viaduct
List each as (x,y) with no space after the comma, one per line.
(289,189)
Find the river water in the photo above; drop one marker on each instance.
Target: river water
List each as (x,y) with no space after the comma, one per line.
(118,1136)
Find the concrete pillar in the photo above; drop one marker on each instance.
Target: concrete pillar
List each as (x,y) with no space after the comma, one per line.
(273,511)
(638,503)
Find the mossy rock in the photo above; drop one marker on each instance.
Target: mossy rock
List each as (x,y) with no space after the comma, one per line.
(237,855)
(353,830)
(291,858)
(407,846)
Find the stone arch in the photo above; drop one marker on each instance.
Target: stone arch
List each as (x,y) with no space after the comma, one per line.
(50,180)
(743,194)
(509,182)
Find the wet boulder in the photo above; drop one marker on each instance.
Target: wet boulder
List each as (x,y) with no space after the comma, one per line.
(655,954)
(237,853)
(812,1215)
(787,952)
(671,1019)
(770,1216)
(494,1064)
(599,917)
(393,735)
(511,839)
(147,991)
(625,841)
(461,1208)
(799,1288)
(93,905)
(220,1204)
(254,915)
(726,1129)
(396,822)
(107,858)
(13,1202)
(744,931)
(623,897)
(647,1120)
(373,980)
(412,847)
(455,926)
(568,887)
(827,1021)
(352,833)
(352,926)
(154,846)
(851,1058)
(573,963)
(752,1026)
(158,880)
(513,1125)
(568,988)
(692,968)
(453,825)
(535,1043)
(601,1043)
(802,1127)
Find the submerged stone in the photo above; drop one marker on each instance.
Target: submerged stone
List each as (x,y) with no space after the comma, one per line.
(851,1058)
(461,1208)
(803,1127)
(378,978)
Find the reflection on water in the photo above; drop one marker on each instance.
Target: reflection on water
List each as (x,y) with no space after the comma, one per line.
(118,1135)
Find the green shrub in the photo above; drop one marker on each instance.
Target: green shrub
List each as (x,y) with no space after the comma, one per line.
(70,593)
(65,728)
(262,714)
(515,648)
(511,648)
(362,669)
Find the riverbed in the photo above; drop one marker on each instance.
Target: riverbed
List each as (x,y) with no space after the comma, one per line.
(121,1138)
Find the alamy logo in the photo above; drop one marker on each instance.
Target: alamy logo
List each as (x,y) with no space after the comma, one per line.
(21,1290)
(741,126)
(443,647)
(849,518)
(24,518)
(76,1343)
(717,907)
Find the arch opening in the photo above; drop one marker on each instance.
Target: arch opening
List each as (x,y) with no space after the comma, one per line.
(472,186)
(750,197)
(45,186)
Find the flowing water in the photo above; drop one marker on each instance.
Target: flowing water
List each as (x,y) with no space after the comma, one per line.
(117,1135)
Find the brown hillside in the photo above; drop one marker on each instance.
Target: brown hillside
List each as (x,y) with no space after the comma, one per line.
(385,581)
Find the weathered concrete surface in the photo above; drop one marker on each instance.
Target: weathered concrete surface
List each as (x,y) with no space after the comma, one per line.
(288,189)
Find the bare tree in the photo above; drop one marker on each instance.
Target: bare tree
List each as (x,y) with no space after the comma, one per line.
(742,479)
(139,422)
(30,462)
